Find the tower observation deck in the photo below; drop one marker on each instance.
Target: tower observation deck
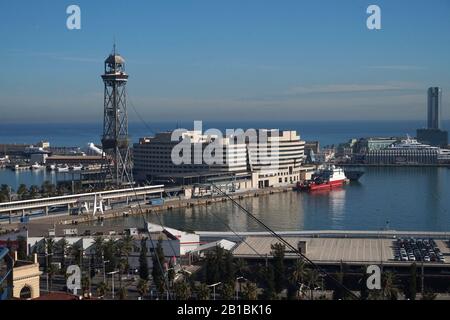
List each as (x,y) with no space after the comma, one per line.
(117,167)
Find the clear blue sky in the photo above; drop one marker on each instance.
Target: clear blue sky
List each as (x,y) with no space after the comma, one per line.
(226,60)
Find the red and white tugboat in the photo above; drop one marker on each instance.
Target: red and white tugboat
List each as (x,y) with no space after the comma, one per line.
(327,178)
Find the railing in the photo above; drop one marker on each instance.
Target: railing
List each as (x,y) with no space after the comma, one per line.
(110,194)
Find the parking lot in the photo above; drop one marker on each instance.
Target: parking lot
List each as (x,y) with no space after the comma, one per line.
(417,249)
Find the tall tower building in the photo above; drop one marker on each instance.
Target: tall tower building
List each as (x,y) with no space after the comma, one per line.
(117,168)
(434,107)
(433,134)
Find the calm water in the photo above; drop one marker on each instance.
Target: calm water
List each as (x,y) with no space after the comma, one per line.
(33,177)
(409,198)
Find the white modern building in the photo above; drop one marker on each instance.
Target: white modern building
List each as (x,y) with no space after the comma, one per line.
(268,157)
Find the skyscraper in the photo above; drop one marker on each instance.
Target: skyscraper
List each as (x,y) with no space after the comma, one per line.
(433,135)
(434,107)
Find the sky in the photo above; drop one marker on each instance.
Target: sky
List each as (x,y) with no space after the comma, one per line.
(225,59)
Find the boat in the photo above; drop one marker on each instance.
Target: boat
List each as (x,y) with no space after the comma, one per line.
(51,167)
(77,168)
(20,167)
(324,179)
(36,166)
(63,168)
(353,175)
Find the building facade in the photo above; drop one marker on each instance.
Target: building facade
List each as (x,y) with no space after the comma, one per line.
(269,157)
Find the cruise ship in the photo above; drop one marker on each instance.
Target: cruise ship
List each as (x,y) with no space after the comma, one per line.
(409,151)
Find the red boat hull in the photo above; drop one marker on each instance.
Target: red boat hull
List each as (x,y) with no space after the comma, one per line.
(323,186)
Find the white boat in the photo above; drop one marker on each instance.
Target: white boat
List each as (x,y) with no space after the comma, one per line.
(64,168)
(51,167)
(77,168)
(20,167)
(36,166)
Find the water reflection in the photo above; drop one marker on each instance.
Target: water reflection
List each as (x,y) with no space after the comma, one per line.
(409,198)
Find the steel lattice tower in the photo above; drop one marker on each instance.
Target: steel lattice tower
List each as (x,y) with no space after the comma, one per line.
(117,168)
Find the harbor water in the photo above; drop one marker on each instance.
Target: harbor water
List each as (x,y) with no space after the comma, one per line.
(396,198)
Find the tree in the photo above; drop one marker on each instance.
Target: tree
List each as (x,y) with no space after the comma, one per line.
(158,275)
(241,267)
(5,193)
(22,191)
(123,293)
(102,289)
(277,252)
(98,244)
(77,254)
(229,269)
(63,250)
(182,290)
(227,291)
(109,254)
(338,292)
(364,292)
(203,292)
(269,279)
(48,189)
(21,248)
(143,264)
(51,271)
(33,192)
(390,290)
(297,275)
(313,281)
(411,289)
(142,287)
(250,291)
(85,284)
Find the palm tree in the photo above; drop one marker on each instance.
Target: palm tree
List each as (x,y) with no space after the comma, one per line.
(299,273)
(250,291)
(63,246)
(22,191)
(182,290)
(33,192)
(228,291)
(142,287)
(85,284)
(51,271)
(313,280)
(98,248)
(390,290)
(241,267)
(203,292)
(101,289)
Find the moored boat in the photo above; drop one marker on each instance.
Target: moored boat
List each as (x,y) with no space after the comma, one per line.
(36,166)
(324,179)
(63,168)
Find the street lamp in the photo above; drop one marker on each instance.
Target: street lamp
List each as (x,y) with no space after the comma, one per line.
(214,289)
(112,273)
(239,288)
(104,268)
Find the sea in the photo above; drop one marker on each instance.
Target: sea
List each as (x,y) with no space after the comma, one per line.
(400,198)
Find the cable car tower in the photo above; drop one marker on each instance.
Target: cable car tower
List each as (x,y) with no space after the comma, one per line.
(117,167)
